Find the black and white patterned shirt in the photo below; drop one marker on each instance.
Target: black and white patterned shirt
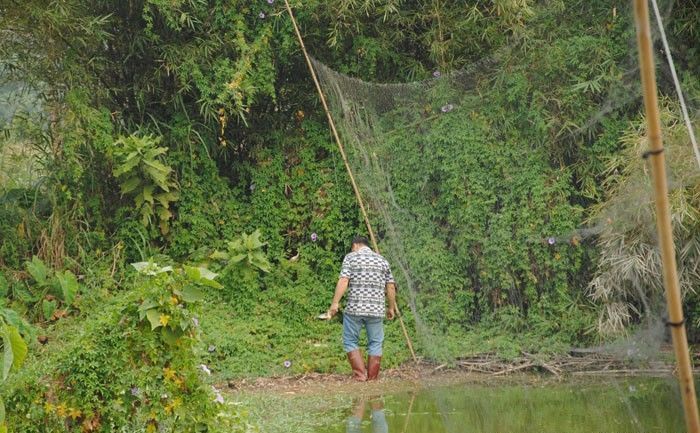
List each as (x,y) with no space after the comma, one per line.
(369,274)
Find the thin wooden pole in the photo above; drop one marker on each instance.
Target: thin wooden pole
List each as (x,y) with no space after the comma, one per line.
(663,217)
(341,148)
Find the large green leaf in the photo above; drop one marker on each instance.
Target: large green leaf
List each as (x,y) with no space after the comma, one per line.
(129,185)
(156,165)
(19,347)
(25,295)
(145,306)
(254,241)
(259,260)
(14,349)
(69,286)
(203,276)
(8,355)
(148,193)
(191,294)
(160,178)
(164,214)
(129,164)
(153,317)
(153,153)
(238,258)
(164,198)
(12,318)
(38,270)
(48,308)
(219,255)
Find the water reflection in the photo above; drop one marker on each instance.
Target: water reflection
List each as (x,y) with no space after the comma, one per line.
(640,405)
(377,415)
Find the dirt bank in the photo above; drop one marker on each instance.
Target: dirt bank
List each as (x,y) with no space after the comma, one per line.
(528,369)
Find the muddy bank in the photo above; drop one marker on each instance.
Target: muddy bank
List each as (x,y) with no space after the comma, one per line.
(528,369)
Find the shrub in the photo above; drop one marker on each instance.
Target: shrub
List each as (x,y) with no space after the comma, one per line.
(131,367)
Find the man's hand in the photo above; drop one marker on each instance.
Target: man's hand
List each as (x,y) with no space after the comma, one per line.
(334,309)
(390,313)
(340,289)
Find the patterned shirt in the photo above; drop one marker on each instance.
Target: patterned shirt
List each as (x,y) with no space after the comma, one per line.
(369,273)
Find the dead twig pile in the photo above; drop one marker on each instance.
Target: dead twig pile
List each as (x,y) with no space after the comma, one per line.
(576,362)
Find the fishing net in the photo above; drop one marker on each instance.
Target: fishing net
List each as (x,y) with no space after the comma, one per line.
(512,198)
(18,165)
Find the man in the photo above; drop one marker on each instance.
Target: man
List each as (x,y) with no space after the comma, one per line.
(368,280)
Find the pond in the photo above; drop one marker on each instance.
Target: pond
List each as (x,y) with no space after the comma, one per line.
(595,405)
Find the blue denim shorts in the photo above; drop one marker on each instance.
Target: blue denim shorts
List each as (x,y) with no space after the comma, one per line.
(352,326)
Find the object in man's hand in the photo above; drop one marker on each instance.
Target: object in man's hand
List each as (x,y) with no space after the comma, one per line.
(324,316)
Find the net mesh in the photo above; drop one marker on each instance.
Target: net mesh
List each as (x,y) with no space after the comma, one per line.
(481,185)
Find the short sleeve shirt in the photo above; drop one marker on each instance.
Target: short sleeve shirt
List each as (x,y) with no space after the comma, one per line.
(369,274)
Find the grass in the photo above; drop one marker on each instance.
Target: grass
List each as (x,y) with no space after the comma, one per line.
(257,343)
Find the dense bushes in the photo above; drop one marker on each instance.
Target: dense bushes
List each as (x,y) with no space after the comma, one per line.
(131,368)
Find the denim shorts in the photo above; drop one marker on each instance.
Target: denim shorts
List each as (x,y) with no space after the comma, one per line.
(352,326)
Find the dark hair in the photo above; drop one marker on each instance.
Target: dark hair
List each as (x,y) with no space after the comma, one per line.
(360,240)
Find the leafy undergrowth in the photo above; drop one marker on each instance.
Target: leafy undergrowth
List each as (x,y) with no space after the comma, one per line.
(264,341)
(127,365)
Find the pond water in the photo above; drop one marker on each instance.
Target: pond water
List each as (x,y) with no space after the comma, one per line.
(606,406)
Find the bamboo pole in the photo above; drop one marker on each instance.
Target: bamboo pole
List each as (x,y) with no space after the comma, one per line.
(663,217)
(341,148)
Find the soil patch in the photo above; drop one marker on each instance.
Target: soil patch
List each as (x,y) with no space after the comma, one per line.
(486,368)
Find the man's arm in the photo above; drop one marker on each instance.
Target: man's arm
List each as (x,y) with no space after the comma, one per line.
(340,289)
(391,297)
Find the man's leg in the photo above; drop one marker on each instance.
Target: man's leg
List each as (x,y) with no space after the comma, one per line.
(375,339)
(351,338)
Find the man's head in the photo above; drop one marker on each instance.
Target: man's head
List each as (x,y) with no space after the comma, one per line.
(359,242)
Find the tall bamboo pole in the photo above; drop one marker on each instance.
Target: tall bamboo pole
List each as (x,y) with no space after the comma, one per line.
(341,148)
(663,217)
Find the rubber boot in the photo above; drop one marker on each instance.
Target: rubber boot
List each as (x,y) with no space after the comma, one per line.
(373,365)
(359,372)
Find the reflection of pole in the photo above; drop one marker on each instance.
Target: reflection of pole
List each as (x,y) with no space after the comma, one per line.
(408,413)
(663,217)
(358,196)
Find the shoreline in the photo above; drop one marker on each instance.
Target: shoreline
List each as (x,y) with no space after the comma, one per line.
(411,376)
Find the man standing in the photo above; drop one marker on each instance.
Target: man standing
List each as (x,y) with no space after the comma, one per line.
(368,280)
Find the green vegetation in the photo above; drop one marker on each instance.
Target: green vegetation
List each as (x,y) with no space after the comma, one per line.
(185,137)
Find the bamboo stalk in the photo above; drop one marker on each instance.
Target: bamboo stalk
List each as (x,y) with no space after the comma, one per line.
(341,148)
(663,217)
